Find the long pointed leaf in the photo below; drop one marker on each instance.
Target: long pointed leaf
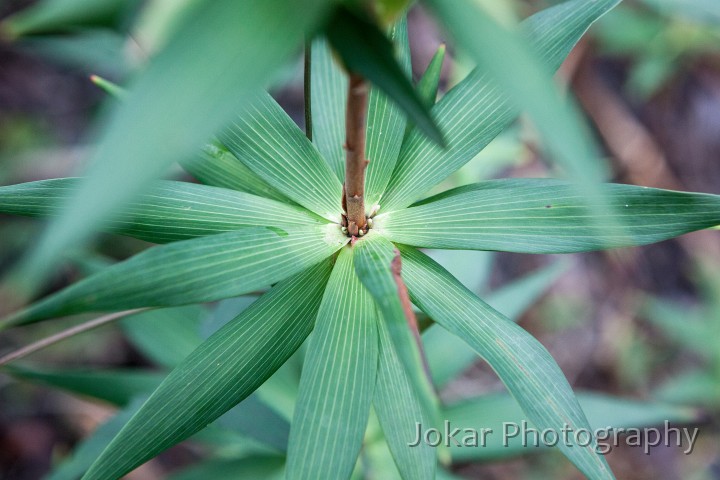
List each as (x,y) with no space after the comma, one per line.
(166,212)
(337,382)
(548,216)
(448,355)
(164,119)
(192,271)
(117,387)
(268,142)
(374,263)
(217,167)
(385,124)
(220,373)
(496,410)
(399,410)
(328,96)
(476,111)
(522,363)
(512,64)
(367,51)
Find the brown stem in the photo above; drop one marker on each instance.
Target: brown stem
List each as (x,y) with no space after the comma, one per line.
(355,161)
(70,332)
(396,267)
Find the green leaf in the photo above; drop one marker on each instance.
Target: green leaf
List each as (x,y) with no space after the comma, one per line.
(494,410)
(166,212)
(217,167)
(366,50)
(448,355)
(385,124)
(117,387)
(512,64)
(209,68)
(691,329)
(522,363)
(375,259)
(192,271)
(85,453)
(265,467)
(399,409)
(268,142)
(337,382)
(328,96)
(477,110)
(219,374)
(54,15)
(429,83)
(691,388)
(166,336)
(548,216)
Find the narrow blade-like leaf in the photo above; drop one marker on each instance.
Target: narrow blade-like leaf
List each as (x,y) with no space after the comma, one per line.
(376,265)
(166,212)
(385,124)
(117,387)
(192,271)
(337,382)
(399,411)
(268,142)
(522,363)
(476,110)
(328,86)
(448,355)
(548,216)
(217,167)
(429,83)
(220,373)
(500,412)
(367,51)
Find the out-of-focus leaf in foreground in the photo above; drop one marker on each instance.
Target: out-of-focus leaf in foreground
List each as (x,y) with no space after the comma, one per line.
(191,89)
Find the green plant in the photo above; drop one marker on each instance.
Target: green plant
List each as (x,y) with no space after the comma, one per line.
(342,266)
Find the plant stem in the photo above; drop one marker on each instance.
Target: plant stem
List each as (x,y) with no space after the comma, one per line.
(412,322)
(355,161)
(70,332)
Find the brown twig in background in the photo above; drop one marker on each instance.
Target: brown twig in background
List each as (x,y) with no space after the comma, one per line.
(355,161)
(70,332)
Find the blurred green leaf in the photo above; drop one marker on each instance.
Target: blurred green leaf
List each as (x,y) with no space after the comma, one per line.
(686,326)
(522,363)
(477,109)
(449,355)
(192,271)
(494,410)
(166,336)
(429,83)
(337,382)
(548,216)
(696,387)
(208,70)
(91,447)
(269,143)
(54,15)
(220,373)
(260,467)
(512,64)
(117,387)
(167,211)
(366,50)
